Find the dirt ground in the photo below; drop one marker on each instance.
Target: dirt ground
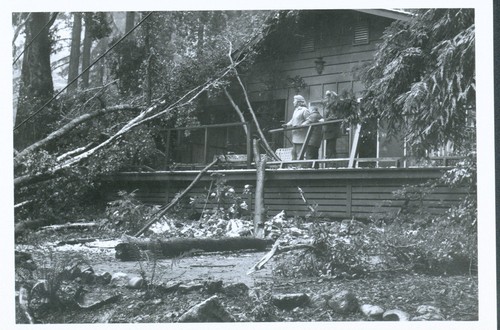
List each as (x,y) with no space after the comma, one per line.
(227,267)
(456,296)
(208,274)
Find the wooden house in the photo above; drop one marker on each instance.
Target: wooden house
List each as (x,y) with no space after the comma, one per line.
(322,50)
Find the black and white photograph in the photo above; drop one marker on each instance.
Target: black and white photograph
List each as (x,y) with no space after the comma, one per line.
(276,166)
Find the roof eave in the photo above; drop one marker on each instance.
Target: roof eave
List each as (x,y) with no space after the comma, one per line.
(388,13)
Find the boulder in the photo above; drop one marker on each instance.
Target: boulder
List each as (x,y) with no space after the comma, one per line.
(372,311)
(236,290)
(395,315)
(185,288)
(213,287)
(135,282)
(103,278)
(290,301)
(119,279)
(209,310)
(344,302)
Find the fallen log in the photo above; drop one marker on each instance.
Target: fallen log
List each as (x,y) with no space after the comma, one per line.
(75,226)
(135,248)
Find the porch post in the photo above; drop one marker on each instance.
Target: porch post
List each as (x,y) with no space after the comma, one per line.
(205,147)
(167,148)
(249,145)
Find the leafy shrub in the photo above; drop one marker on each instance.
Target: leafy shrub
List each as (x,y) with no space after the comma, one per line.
(127,213)
(226,203)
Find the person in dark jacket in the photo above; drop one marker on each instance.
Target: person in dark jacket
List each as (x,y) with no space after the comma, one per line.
(331,132)
(312,148)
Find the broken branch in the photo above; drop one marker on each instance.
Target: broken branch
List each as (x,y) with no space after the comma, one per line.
(176,199)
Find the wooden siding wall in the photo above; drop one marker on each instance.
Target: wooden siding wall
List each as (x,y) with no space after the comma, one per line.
(332,39)
(343,193)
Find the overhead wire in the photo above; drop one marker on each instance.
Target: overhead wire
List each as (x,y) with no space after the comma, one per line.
(81,73)
(51,20)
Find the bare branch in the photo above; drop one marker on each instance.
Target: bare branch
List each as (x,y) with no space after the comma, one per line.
(237,109)
(69,126)
(257,125)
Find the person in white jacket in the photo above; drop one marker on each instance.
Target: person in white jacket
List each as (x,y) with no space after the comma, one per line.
(298,118)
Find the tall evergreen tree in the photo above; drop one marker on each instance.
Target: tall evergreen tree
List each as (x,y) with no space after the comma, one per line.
(74,57)
(36,84)
(422,81)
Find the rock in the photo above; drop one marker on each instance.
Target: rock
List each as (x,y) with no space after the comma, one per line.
(428,313)
(344,302)
(103,278)
(185,288)
(94,300)
(426,309)
(290,301)
(372,311)
(236,290)
(395,315)
(213,287)
(209,310)
(136,282)
(119,279)
(87,274)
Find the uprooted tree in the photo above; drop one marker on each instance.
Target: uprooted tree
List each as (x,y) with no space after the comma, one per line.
(110,123)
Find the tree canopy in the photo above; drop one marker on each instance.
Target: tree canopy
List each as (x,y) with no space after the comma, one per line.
(158,76)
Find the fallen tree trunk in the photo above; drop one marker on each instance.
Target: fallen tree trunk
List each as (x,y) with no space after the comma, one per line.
(134,248)
(66,226)
(70,126)
(176,199)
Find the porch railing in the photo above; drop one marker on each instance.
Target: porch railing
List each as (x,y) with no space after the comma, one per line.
(205,129)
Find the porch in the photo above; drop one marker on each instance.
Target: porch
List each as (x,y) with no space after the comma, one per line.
(192,148)
(346,187)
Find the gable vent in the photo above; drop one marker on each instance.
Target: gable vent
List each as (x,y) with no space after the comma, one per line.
(307,44)
(361,33)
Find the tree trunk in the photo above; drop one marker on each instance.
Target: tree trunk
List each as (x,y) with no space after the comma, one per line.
(129,21)
(132,250)
(36,86)
(148,92)
(260,165)
(74,56)
(87,45)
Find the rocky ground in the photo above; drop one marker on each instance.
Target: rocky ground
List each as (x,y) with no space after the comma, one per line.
(84,283)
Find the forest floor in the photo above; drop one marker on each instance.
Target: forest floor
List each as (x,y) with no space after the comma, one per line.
(173,286)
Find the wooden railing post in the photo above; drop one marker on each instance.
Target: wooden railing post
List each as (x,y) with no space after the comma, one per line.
(205,147)
(167,148)
(249,145)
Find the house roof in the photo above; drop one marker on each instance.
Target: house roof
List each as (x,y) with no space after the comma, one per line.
(396,14)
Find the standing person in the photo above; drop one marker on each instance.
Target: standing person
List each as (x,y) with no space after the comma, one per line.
(331,132)
(312,148)
(298,119)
